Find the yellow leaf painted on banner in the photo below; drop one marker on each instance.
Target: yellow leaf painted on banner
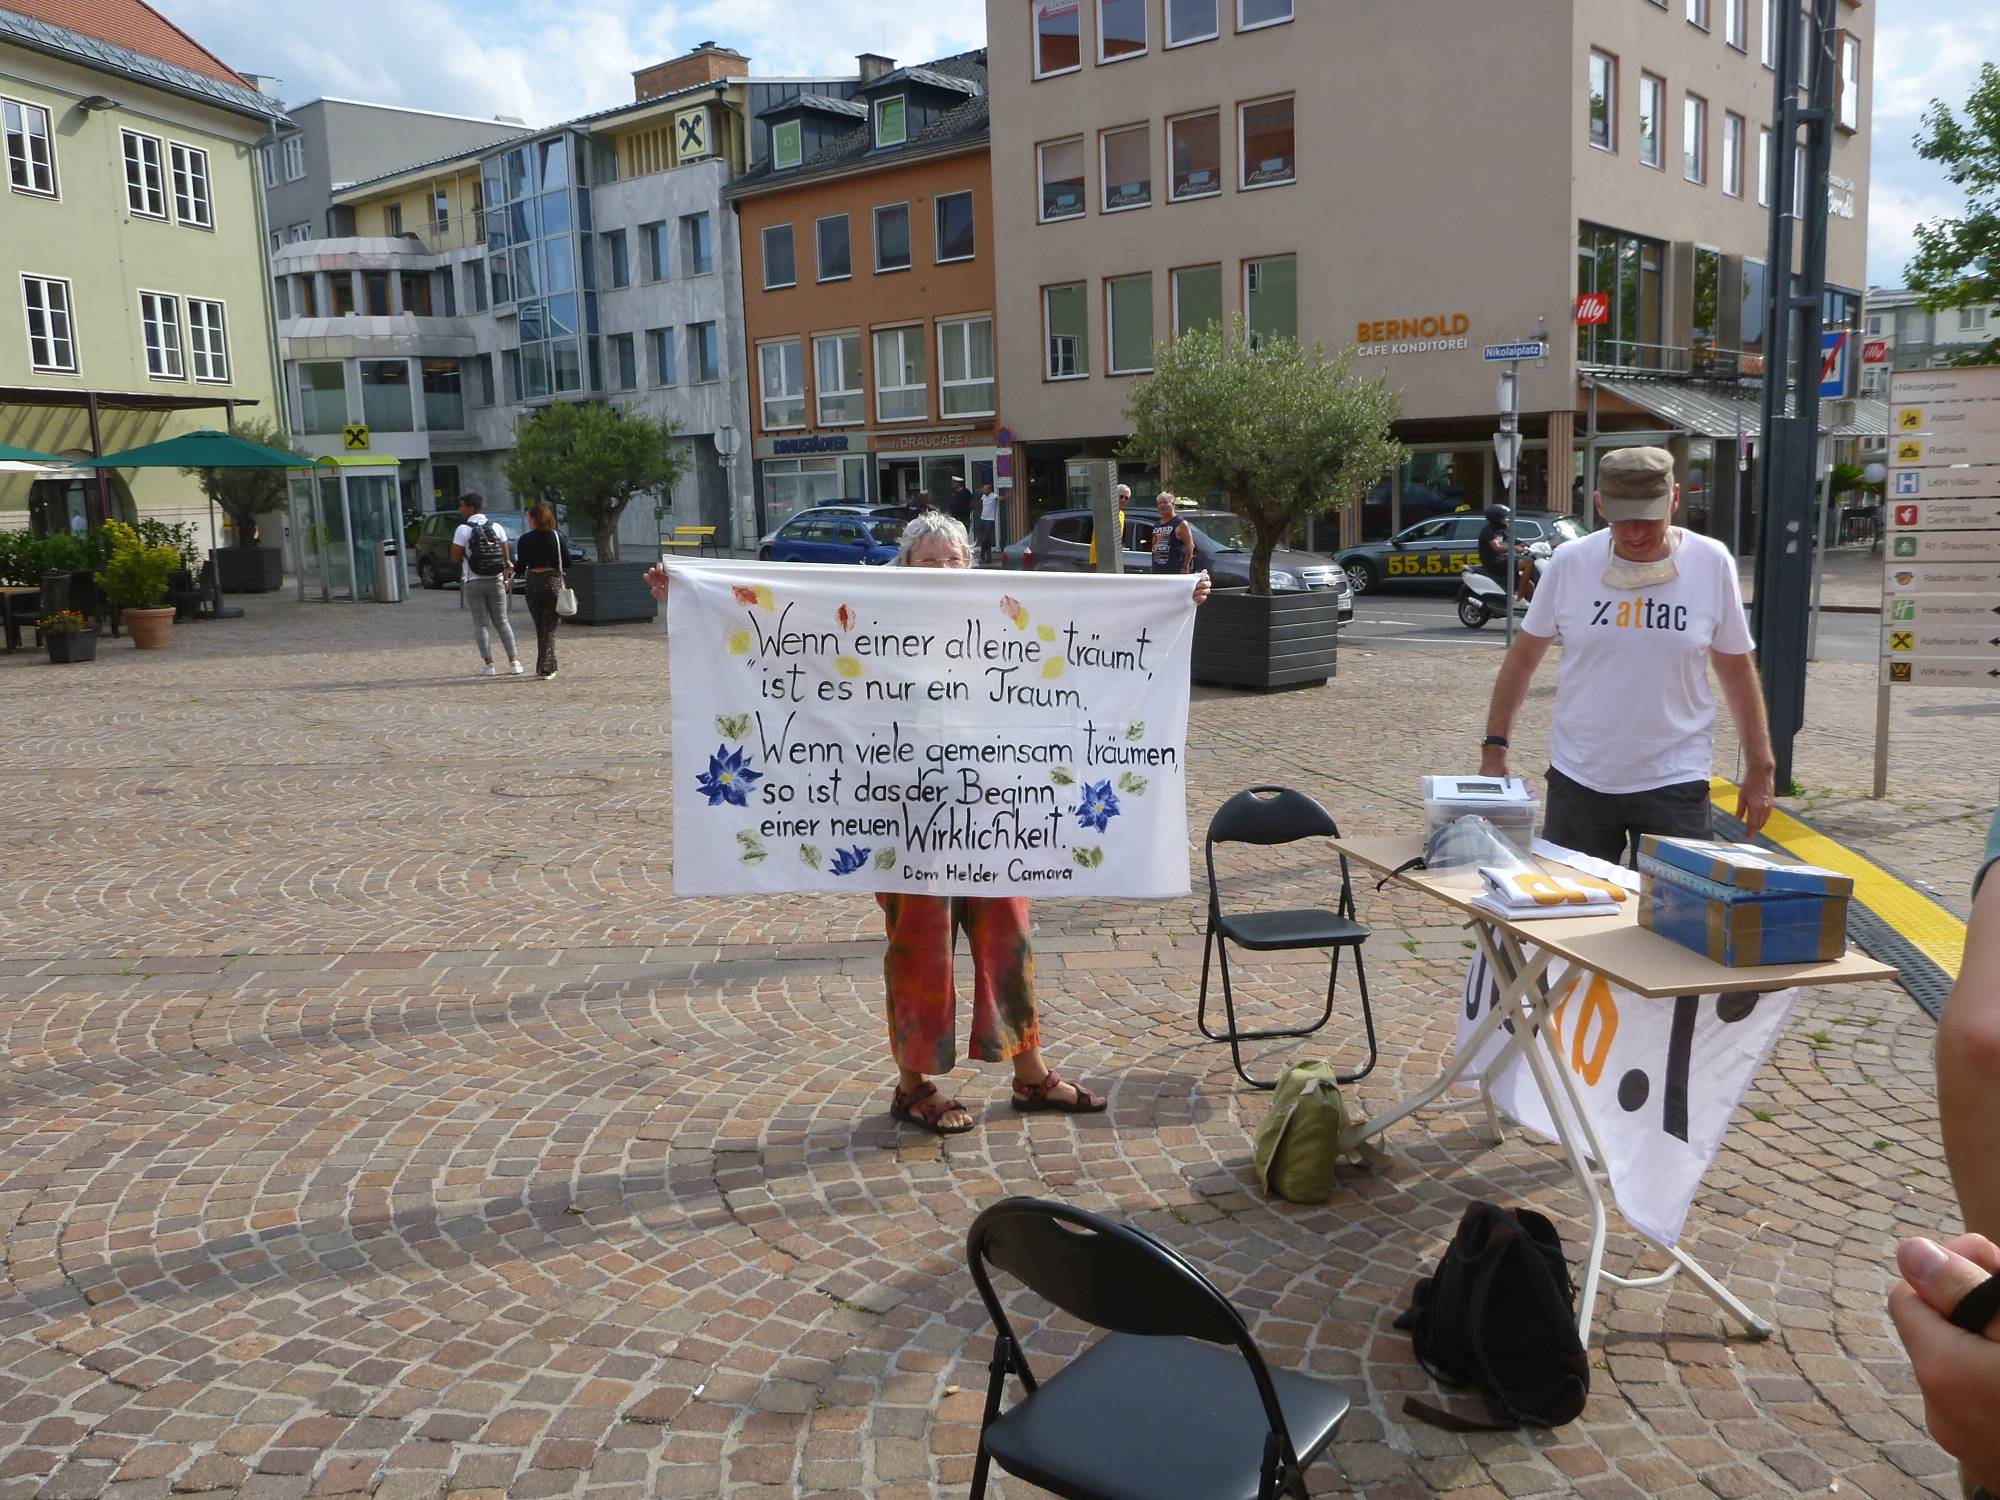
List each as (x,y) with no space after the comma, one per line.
(1052,668)
(847,666)
(739,642)
(1046,632)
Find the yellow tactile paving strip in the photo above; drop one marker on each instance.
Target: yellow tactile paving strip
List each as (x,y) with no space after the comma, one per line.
(1926,926)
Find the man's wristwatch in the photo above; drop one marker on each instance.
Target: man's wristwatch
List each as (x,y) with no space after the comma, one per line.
(1494,739)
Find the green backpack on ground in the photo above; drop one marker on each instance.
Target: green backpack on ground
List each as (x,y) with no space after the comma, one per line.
(1298,1144)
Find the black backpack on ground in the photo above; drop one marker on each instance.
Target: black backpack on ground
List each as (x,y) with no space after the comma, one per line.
(1500,1316)
(485,553)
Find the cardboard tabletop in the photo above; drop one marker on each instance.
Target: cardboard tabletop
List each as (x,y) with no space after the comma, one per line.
(1614,945)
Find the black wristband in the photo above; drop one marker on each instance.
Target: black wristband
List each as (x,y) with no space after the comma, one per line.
(1494,739)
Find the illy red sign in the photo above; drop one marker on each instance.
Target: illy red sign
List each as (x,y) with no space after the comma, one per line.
(1593,307)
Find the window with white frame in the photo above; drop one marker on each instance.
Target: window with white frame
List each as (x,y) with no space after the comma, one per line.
(1197,293)
(1769,33)
(145,182)
(892,126)
(892,237)
(1850,81)
(780,269)
(1271,298)
(1603,101)
(51,331)
(1735,24)
(902,391)
(160,328)
(298,234)
(1763,167)
(787,148)
(955,238)
(1697,13)
(1194,156)
(1059,165)
(1732,155)
(208,340)
(781,384)
(1251,14)
(1126,167)
(834,256)
(191,200)
(269,156)
(1066,329)
(1058,39)
(1874,325)
(1652,119)
(1121,29)
(1128,323)
(1267,142)
(1192,21)
(1694,138)
(965,367)
(837,379)
(31,152)
(295,157)
(1972,320)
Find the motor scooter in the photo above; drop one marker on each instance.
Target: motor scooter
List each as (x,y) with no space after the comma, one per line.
(1480,598)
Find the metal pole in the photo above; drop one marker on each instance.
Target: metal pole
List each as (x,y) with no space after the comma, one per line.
(1821,552)
(1513,479)
(1881,744)
(1590,461)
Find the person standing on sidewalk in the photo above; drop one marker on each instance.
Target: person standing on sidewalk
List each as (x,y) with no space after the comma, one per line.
(485,572)
(541,560)
(989,522)
(1644,609)
(1173,539)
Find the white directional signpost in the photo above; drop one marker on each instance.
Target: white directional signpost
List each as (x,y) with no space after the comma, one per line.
(1941,555)
(1507,441)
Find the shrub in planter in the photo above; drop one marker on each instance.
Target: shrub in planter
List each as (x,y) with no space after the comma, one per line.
(136,578)
(69,636)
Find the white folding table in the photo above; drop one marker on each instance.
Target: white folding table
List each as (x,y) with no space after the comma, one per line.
(1618,948)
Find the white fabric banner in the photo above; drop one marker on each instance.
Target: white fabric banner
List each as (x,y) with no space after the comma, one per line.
(953,732)
(1659,1079)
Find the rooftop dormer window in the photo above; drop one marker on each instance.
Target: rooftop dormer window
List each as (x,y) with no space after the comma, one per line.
(787,149)
(891,121)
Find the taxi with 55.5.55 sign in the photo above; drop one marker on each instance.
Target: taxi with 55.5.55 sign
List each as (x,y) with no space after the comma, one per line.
(1431,554)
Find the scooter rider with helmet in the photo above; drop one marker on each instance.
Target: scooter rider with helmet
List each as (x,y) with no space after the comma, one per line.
(1495,543)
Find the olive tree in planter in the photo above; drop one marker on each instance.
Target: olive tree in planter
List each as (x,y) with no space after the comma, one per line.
(1286,434)
(243,495)
(588,460)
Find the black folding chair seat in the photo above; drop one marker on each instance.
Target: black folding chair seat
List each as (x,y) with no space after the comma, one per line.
(1141,1418)
(1311,928)
(1271,815)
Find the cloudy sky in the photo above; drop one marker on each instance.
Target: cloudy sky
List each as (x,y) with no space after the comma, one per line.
(546,60)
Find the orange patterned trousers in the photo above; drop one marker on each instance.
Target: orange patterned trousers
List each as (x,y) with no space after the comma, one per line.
(922,996)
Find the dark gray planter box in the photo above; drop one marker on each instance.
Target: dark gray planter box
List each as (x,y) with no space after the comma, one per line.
(250,570)
(68,648)
(1281,641)
(611,593)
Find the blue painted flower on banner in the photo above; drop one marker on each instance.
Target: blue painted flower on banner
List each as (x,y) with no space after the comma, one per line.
(729,777)
(1099,805)
(847,861)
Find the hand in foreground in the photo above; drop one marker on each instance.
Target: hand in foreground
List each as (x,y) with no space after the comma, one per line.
(1757,797)
(1493,761)
(1959,1372)
(1202,587)
(656,580)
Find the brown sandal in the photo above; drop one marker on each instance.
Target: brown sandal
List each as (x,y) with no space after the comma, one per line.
(1030,1098)
(925,1109)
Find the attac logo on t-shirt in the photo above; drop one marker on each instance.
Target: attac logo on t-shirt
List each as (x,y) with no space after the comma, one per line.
(1639,614)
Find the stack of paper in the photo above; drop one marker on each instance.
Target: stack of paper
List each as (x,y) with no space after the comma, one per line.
(1528,894)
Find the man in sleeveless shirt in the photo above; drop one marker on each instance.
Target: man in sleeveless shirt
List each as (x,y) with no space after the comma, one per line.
(1173,540)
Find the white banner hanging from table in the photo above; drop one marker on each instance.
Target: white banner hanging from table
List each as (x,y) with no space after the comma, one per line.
(925,729)
(1659,1079)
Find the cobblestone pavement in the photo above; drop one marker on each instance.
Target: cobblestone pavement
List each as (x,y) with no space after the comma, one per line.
(374,1121)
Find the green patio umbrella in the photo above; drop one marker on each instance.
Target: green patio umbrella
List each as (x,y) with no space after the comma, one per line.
(204,448)
(10,454)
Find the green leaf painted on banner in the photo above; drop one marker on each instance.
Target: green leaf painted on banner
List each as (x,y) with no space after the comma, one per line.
(753,850)
(733,726)
(1136,730)
(1132,782)
(809,855)
(1090,858)
(885,859)
(1063,776)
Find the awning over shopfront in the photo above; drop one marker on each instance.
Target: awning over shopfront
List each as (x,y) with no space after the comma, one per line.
(1712,410)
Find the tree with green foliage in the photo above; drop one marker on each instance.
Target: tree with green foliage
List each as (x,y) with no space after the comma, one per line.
(1284,432)
(245,494)
(588,461)
(1958,260)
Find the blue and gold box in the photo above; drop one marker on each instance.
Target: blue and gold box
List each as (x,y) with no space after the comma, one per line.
(1741,904)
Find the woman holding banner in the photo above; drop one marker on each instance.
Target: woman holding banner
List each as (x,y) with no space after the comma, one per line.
(917,969)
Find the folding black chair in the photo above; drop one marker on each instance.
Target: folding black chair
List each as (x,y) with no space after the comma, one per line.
(1278,815)
(1173,1403)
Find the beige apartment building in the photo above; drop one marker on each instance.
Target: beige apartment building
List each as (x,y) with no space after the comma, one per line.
(1418,181)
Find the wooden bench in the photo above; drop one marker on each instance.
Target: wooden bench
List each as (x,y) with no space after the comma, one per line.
(696,539)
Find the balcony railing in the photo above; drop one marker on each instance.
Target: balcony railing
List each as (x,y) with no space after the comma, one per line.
(1706,361)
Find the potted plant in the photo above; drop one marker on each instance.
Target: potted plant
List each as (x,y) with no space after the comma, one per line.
(69,636)
(243,495)
(1285,433)
(135,578)
(588,460)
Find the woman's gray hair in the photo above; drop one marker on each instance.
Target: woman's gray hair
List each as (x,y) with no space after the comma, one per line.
(927,525)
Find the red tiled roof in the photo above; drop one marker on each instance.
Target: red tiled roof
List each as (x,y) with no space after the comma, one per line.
(133,24)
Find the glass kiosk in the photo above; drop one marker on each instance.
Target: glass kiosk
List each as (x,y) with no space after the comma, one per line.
(347,521)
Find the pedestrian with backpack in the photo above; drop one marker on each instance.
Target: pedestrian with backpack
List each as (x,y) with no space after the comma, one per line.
(486,572)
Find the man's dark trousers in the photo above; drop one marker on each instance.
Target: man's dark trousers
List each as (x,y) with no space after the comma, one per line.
(1608,824)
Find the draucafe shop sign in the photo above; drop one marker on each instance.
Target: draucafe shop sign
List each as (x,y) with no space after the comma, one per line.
(1436,333)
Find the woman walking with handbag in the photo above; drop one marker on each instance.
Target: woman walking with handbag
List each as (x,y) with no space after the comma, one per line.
(541,558)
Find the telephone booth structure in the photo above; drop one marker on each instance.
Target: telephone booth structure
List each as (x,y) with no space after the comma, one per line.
(347,523)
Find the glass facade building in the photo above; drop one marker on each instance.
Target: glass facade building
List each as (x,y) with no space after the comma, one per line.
(538,232)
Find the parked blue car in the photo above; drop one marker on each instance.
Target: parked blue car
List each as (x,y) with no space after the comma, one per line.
(834,536)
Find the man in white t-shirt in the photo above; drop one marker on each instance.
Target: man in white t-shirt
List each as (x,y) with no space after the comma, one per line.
(989,522)
(1644,609)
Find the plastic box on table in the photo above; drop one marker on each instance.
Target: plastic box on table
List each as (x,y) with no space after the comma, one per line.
(1507,802)
(1741,904)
